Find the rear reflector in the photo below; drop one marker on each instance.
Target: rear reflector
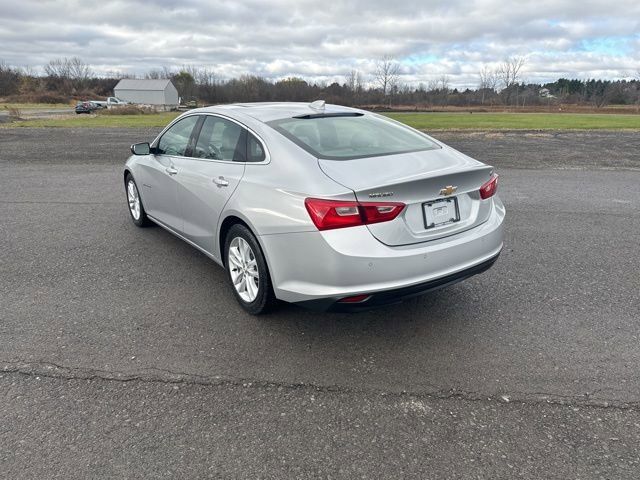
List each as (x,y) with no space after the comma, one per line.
(330,214)
(490,188)
(355,299)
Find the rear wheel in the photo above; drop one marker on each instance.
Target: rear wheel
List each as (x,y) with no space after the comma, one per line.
(136,209)
(247,271)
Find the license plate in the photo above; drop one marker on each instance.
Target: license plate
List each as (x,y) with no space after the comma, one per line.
(440,212)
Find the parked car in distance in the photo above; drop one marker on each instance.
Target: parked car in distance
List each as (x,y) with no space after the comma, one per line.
(86,107)
(328,207)
(109,102)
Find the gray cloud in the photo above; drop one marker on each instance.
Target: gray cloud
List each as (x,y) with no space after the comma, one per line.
(322,41)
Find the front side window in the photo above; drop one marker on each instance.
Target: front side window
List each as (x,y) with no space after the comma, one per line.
(176,140)
(345,137)
(220,139)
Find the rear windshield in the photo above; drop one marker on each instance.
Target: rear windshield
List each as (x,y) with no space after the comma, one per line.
(349,137)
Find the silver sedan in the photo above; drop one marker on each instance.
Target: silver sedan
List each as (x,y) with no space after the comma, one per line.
(329,207)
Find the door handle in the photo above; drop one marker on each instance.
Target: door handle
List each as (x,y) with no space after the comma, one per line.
(221,182)
(171,170)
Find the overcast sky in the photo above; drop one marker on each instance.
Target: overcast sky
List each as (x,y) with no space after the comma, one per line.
(323,40)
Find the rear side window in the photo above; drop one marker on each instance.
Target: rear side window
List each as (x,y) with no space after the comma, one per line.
(255,151)
(354,136)
(176,140)
(220,139)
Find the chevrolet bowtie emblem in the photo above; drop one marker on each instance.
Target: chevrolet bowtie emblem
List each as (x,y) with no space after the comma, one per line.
(448,190)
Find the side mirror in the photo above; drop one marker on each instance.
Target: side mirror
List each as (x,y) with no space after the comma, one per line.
(140,149)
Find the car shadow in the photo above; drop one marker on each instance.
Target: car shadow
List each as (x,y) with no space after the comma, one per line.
(437,312)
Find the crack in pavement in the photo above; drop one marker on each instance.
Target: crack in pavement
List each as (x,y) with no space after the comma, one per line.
(158,375)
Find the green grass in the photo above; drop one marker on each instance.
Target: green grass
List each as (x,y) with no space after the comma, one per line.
(124,121)
(518,121)
(423,121)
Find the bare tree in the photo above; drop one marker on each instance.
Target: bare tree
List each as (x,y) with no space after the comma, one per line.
(353,82)
(443,83)
(509,71)
(509,74)
(79,72)
(9,79)
(488,82)
(432,91)
(58,68)
(206,77)
(28,71)
(443,89)
(386,74)
(69,72)
(154,75)
(207,83)
(159,73)
(432,85)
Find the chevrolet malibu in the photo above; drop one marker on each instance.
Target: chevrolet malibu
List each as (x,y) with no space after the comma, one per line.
(328,207)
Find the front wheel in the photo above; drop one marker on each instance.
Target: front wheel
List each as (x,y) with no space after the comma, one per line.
(247,271)
(136,209)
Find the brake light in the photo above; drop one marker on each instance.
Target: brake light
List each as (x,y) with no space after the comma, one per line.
(330,214)
(490,188)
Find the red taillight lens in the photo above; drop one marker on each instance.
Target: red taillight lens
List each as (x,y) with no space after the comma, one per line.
(490,188)
(330,214)
(355,299)
(381,212)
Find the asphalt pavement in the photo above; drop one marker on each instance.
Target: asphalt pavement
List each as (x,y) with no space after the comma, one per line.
(123,352)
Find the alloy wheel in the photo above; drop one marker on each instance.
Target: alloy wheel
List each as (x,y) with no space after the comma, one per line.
(244,269)
(134,200)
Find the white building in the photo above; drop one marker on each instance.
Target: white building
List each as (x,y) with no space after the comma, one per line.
(147,92)
(545,93)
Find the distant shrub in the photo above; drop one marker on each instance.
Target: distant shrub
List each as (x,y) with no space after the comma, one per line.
(127,110)
(15,113)
(49,98)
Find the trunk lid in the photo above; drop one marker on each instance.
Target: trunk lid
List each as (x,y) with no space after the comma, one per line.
(418,179)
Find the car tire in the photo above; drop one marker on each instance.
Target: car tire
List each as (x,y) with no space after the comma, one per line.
(247,271)
(134,202)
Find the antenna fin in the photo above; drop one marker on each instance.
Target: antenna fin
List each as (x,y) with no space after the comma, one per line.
(317,105)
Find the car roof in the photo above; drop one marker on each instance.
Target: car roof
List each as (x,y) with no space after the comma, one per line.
(267,111)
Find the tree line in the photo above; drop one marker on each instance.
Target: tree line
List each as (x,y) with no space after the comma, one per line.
(66,79)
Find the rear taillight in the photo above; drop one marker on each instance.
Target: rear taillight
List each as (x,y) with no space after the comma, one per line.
(490,188)
(330,214)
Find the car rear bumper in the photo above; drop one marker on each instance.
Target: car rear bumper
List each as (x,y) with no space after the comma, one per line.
(397,295)
(316,269)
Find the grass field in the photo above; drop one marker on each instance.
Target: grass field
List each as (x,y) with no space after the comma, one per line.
(423,121)
(518,121)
